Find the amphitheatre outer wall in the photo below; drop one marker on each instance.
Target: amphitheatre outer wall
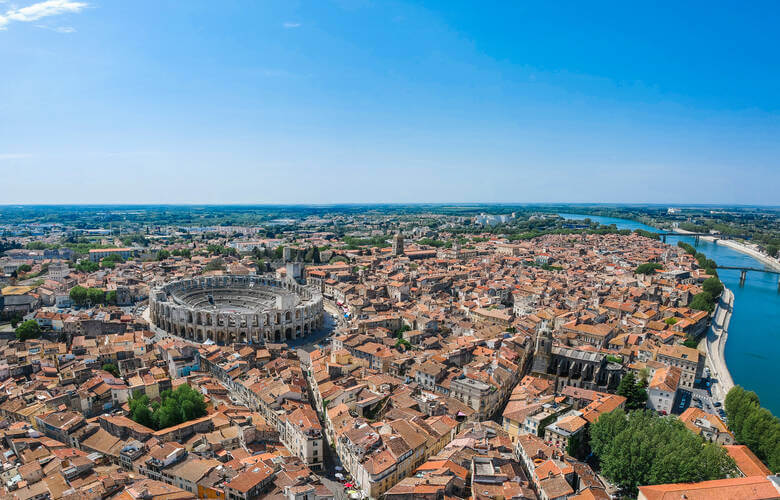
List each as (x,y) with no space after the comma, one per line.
(230,309)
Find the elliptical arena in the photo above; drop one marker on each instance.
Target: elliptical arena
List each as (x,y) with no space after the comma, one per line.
(243,309)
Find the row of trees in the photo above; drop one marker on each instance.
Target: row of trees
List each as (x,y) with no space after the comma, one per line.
(94,296)
(174,407)
(706,299)
(754,426)
(709,265)
(641,448)
(647,234)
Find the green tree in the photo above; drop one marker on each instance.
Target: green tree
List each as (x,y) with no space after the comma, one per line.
(648,268)
(111,297)
(163,254)
(111,368)
(647,449)
(78,294)
(95,296)
(28,330)
(703,301)
(713,286)
(87,266)
(772,250)
(609,426)
(687,247)
(174,407)
(754,426)
(633,391)
(24,268)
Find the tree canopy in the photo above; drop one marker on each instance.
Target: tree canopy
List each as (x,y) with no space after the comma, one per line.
(95,296)
(174,407)
(713,286)
(754,426)
(87,266)
(641,448)
(78,294)
(28,330)
(648,268)
(634,392)
(703,301)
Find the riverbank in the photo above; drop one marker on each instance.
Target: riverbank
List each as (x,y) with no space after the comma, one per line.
(714,345)
(739,247)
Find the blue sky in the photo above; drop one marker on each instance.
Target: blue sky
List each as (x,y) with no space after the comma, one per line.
(359,101)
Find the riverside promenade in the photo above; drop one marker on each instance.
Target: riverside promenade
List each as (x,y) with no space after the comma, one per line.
(751,250)
(715,346)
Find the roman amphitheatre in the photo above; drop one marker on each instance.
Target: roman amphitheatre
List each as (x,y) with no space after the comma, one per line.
(230,309)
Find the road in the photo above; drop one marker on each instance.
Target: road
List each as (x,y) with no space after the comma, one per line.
(715,346)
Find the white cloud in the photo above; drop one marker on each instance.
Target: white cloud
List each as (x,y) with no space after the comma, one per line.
(290,25)
(39,10)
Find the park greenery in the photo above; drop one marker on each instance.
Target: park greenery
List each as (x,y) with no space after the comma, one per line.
(648,268)
(28,330)
(174,407)
(754,426)
(641,448)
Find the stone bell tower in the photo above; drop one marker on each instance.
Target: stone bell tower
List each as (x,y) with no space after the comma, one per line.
(543,348)
(398,244)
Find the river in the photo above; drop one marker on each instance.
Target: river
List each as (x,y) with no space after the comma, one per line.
(753,346)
